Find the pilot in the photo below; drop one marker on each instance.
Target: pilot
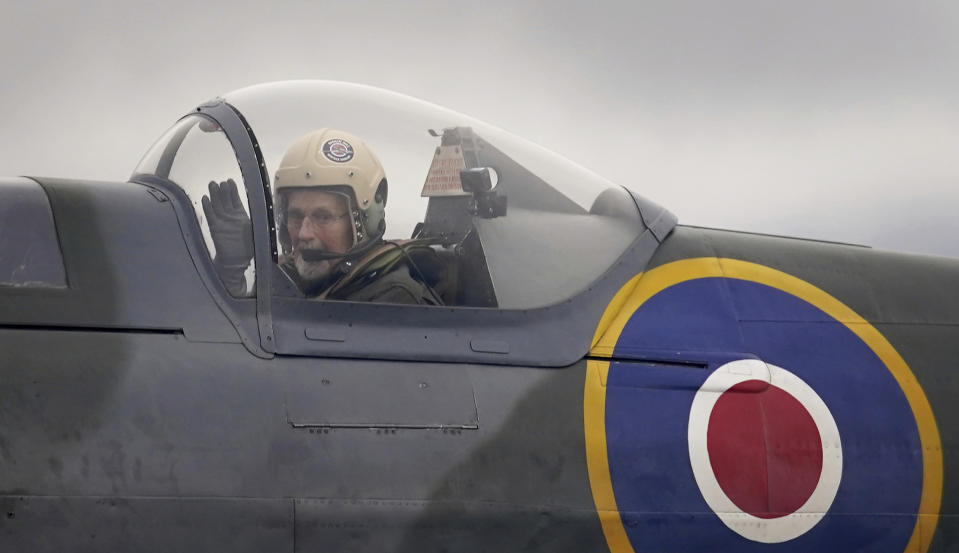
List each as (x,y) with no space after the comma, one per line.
(330,199)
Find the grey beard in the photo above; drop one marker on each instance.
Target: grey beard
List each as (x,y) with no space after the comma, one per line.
(312,272)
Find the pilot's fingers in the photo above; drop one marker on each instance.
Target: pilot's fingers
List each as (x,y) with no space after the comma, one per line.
(214,188)
(207,208)
(216,201)
(234,194)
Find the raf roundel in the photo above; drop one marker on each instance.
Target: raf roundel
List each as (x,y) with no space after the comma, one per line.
(739,408)
(338,150)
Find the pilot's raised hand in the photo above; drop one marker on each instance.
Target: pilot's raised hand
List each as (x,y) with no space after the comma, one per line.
(232,234)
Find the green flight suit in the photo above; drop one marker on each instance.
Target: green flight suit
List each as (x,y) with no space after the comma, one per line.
(382,276)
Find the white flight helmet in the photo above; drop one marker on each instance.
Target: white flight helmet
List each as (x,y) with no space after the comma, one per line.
(340,163)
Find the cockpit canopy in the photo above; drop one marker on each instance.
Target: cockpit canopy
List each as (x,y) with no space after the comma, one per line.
(520,228)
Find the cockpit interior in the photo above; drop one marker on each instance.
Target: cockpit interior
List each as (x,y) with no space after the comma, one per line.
(484,218)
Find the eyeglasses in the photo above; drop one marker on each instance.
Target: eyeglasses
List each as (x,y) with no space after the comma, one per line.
(319,219)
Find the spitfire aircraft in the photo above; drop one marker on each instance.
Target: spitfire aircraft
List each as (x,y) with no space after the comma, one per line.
(588,375)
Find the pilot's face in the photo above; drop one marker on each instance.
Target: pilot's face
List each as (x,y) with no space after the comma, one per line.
(317,220)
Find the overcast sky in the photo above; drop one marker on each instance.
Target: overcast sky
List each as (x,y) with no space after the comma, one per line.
(824,119)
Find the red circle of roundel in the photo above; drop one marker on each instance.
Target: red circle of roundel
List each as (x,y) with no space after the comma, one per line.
(746,431)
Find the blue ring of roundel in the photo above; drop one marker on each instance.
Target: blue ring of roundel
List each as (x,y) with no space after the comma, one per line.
(717,320)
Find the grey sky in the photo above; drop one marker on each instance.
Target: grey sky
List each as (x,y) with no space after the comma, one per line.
(835,120)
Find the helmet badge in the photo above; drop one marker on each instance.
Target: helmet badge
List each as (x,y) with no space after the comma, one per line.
(338,150)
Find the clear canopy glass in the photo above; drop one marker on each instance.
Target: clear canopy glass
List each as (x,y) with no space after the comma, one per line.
(191,154)
(397,128)
(548,247)
(564,226)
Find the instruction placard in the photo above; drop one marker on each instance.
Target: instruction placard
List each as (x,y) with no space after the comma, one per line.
(444,176)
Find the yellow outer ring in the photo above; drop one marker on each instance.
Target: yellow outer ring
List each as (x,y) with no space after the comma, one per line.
(644,286)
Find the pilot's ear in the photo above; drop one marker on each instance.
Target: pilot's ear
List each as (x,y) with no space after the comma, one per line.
(381,193)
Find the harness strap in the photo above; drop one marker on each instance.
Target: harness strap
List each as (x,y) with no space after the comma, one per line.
(379,260)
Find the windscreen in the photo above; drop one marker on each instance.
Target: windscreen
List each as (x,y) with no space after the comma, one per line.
(196,155)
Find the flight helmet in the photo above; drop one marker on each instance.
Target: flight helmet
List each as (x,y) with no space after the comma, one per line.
(341,163)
